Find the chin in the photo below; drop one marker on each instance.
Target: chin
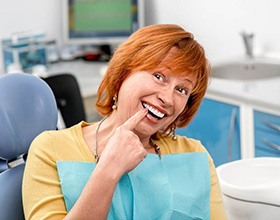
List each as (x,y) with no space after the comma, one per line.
(145,130)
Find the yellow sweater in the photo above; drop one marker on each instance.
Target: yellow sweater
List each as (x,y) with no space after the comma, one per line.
(42,196)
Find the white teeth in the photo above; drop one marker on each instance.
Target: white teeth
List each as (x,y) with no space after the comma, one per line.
(153,110)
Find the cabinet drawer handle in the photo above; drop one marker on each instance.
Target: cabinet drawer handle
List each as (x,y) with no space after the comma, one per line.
(231,133)
(272,125)
(270,144)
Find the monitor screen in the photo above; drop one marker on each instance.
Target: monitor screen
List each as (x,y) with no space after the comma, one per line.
(101,21)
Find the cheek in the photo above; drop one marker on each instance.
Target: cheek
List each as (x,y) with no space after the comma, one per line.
(180,106)
(128,99)
(134,90)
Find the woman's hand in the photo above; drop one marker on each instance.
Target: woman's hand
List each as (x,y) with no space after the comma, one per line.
(124,151)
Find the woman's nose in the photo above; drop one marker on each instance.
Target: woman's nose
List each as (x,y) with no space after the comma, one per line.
(166,96)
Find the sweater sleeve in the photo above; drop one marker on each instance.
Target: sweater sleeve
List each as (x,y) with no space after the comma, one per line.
(217,210)
(41,192)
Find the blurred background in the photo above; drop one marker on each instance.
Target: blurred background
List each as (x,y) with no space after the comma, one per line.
(217,24)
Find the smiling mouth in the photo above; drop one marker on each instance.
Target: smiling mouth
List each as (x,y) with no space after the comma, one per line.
(153,112)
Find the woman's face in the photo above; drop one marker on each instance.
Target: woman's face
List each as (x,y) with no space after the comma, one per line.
(164,94)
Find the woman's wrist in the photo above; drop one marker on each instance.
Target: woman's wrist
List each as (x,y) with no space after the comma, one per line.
(108,171)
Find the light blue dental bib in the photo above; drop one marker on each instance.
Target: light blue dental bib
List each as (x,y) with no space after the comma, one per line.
(175,187)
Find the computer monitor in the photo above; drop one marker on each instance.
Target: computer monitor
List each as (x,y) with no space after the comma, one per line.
(101,22)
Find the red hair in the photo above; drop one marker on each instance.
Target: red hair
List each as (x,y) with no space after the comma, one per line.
(144,50)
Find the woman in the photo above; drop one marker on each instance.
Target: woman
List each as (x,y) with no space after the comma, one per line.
(155,82)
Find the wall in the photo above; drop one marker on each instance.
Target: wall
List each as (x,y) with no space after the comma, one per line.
(216,24)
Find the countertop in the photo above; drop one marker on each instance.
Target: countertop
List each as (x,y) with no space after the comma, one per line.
(262,92)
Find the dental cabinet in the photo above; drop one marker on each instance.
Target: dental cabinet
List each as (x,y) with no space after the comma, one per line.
(217,126)
(266,134)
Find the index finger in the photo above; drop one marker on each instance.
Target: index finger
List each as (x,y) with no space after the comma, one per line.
(132,122)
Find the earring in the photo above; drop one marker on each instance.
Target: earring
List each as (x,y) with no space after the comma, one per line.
(174,137)
(115,99)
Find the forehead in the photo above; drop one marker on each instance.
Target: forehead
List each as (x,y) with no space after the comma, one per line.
(177,65)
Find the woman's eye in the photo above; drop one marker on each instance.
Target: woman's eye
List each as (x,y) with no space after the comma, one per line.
(182,90)
(159,76)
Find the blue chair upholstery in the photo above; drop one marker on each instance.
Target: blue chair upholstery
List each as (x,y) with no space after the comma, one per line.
(27,108)
(3,165)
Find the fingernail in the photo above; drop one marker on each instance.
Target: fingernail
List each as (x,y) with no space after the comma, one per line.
(145,110)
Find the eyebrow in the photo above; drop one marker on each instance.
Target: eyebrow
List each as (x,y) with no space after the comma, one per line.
(184,79)
(187,80)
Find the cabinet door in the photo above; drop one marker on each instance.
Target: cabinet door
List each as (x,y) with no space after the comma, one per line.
(267,134)
(217,126)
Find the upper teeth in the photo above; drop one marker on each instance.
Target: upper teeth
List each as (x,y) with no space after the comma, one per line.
(153,110)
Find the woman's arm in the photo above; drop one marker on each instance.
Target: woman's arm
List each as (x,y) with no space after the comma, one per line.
(95,199)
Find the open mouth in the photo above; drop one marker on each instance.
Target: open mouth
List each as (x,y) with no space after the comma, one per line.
(153,112)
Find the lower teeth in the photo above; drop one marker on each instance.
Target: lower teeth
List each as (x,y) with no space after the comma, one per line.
(152,114)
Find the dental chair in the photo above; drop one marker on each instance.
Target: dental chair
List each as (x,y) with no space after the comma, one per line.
(27,108)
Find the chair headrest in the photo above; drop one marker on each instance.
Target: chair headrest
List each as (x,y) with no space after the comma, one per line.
(27,108)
